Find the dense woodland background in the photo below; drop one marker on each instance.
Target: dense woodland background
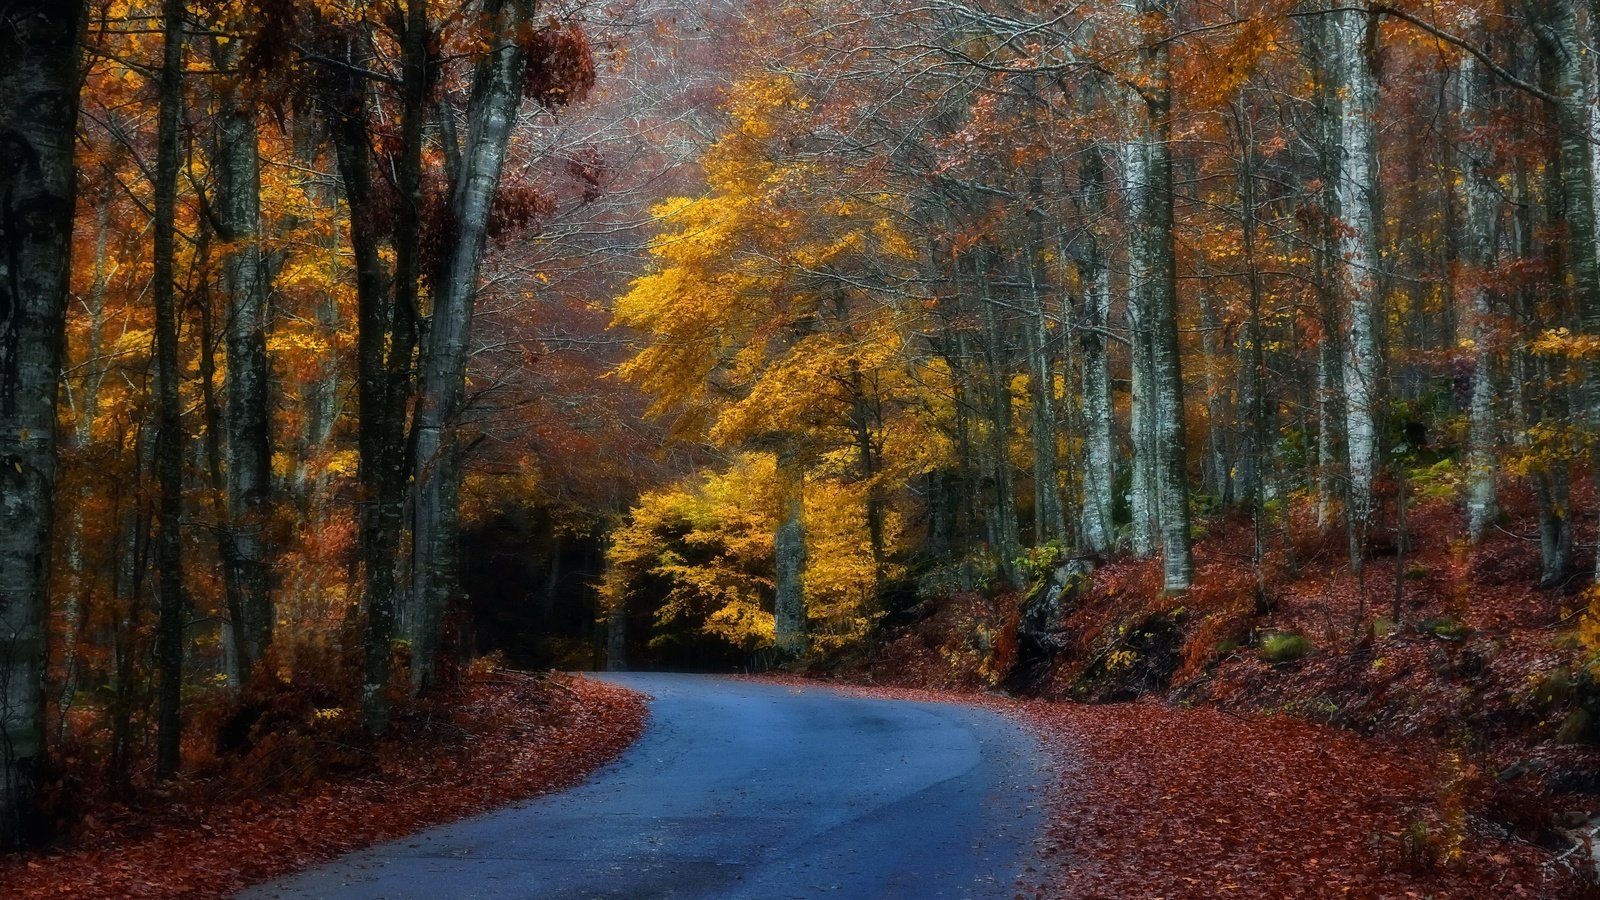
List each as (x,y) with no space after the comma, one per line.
(343,341)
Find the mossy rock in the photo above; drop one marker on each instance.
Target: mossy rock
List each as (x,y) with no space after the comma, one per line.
(1447,629)
(1281,647)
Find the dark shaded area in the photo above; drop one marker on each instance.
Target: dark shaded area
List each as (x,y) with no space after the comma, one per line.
(683,648)
(532,593)
(531,589)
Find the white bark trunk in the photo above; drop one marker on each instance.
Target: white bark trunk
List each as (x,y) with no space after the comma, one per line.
(1141,484)
(1099,475)
(1356,184)
(1478,250)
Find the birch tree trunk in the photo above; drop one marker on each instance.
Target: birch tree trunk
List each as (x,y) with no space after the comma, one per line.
(39,113)
(1155,283)
(1099,474)
(169,449)
(1141,485)
(1356,184)
(1478,242)
(492,112)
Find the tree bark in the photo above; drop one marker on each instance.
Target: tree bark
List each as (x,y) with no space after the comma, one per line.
(169,448)
(1155,283)
(1562,62)
(39,112)
(1478,251)
(246,280)
(1355,84)
(1142,498)
(1099,468)
(496,98)
(789,556)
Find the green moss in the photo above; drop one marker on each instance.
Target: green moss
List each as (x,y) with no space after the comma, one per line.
(1284,646)
(1446,628)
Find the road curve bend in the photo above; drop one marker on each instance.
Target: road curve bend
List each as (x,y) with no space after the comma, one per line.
(743,789)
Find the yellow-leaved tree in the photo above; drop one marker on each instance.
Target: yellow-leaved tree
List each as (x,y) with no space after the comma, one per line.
(772,327)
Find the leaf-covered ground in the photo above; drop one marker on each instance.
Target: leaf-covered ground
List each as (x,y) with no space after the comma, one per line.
(1155,801)
(506,737)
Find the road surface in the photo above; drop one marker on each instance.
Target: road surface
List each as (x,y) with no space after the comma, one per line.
(743,789)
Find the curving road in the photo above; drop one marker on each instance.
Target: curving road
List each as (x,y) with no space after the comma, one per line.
(743,789)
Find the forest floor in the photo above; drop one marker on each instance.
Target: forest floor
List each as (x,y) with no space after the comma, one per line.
(1158,801)
(503,736)
(1322,747)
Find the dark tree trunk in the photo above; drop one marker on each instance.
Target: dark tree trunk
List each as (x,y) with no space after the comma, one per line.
(246,279)
(169,450)
(38,112)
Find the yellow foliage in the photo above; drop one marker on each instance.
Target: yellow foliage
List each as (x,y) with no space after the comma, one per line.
(709,541)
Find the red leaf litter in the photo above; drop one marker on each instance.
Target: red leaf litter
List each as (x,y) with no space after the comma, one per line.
(1158,801)
(507,737)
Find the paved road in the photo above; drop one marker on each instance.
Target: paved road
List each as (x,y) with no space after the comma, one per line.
(742,789)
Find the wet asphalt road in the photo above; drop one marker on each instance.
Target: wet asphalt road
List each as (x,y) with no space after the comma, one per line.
(743,789)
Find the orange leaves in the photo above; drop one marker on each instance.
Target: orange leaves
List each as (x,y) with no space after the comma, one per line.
(561,68)
(511,736)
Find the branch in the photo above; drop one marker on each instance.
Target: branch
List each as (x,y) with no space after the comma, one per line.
(1477,53)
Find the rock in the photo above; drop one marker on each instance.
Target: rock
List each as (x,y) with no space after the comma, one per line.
(1039,633)
(1520,768)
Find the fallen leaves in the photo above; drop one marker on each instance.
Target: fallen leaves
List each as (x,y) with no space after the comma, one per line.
(1153,800)
(506,737)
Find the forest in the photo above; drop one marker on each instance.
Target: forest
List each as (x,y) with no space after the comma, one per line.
(361,356)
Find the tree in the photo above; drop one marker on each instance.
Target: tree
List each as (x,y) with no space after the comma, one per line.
(38,185)
(171,630)
(497,88)
(246,281)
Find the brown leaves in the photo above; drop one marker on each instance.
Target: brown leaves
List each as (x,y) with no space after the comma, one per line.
(1155,801)
(505,737)
(1181,803)
(561,66)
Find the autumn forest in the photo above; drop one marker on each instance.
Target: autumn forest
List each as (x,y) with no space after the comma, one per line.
(365,364)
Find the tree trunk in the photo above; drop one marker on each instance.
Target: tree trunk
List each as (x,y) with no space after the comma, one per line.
(1099,469)
(1142,500)
(1356,184)
(39,111)
(789,556)
(1478,251)
(246,279)
(1562,62)
(1004,540)
(1259,451)
(1218,471)
(1049,518)
(1155,284)
(169,412)
(496,98)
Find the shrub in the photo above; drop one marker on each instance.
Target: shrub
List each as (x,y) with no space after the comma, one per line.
(1284,646)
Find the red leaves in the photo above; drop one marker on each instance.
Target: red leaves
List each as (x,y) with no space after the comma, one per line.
(1155,801)
(560,66)
(504,738)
